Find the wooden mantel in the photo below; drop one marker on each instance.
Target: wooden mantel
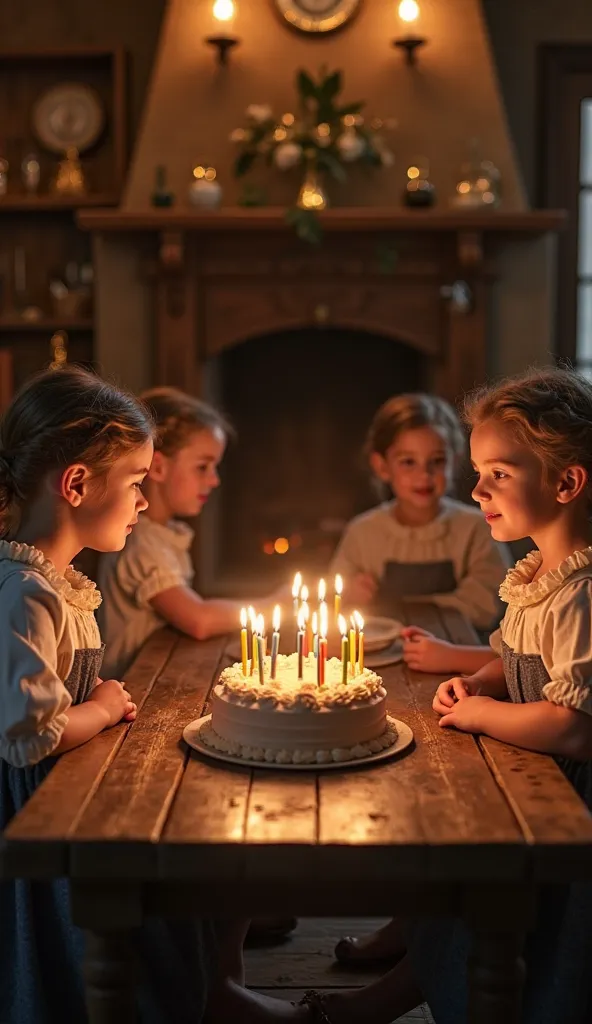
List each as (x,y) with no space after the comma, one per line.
(221,277)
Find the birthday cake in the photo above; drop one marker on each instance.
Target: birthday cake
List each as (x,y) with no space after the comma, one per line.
(292,720)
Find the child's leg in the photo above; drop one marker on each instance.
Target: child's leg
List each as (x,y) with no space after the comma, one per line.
(386,943)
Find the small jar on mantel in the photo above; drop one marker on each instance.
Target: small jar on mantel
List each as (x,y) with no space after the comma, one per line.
(205,191)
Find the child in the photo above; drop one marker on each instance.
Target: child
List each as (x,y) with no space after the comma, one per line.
(148,584)
(421,545)
(73,454)
(531,445)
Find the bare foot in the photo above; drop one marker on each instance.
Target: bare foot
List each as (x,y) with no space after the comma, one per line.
(381,1002)
(385,944)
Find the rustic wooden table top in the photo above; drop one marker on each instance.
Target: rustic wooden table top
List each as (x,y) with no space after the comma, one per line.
(134,803)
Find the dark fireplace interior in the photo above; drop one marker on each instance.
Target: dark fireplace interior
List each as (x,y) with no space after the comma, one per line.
(301,402)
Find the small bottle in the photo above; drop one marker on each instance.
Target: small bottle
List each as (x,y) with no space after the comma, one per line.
(161,195)
(31,173)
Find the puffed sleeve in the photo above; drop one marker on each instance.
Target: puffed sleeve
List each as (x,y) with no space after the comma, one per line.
(484,569)
(145,569)
(566,647)
(34,698)
(495,642)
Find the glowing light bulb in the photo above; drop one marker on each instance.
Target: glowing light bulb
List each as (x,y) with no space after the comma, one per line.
(224,10)
(408,11)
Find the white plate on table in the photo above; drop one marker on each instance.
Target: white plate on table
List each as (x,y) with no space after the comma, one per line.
(380,632)
(192,737)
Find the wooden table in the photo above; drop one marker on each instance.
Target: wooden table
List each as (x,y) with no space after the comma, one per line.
(139,825)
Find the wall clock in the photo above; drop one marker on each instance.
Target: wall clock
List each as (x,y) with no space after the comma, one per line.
(317,15)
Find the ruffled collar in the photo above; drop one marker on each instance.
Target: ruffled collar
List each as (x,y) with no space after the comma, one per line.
(518,587)
(434,530)
(73,586)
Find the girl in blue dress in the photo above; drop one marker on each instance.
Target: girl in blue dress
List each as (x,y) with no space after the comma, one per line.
(73,453)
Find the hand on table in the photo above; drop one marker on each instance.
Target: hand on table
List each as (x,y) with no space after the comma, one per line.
(460,704)
(423,652)
(115,701)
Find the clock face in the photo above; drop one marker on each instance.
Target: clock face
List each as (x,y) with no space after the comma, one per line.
(317,15)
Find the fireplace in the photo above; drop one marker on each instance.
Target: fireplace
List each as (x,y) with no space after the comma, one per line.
(301,402)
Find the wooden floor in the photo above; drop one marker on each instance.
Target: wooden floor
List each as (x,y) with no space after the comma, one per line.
(305,960)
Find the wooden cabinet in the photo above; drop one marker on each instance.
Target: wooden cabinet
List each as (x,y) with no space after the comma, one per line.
(40,241)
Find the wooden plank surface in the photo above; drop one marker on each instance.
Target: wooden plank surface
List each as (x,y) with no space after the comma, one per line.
(132,803)
(35,842)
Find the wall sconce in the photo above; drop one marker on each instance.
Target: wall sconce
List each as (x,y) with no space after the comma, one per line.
(223,15)
(408,12)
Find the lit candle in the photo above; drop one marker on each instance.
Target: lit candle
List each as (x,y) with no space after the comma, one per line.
(275,639)
(322,658)
(322,591)
(315,634)
(352,646)
(296,587)
(304,604)
(254,648)
(344,648)
(223,15)
(300,643)
(261,644)
(305,626)
(360,625)
(338,593)
(243,637)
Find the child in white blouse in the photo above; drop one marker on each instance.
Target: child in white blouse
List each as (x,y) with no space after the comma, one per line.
(73,454)
(149,583)
(531,445)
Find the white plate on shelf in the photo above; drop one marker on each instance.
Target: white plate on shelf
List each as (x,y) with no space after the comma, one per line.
(191,735)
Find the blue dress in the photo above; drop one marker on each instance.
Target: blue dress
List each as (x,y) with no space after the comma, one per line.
(41,951)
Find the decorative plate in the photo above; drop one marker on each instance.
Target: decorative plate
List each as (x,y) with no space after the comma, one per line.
(69,115)
(317,15)
(380,632)
(191,735)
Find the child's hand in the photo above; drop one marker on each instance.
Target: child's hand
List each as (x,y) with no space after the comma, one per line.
(468,714)
(453,690)
(115,701)
(360,590)
(422,652)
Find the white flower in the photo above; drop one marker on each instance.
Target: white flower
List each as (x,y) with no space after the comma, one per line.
(350,146)
(259,112)
(287,155)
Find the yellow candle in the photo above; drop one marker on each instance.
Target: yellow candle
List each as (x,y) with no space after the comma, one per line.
(352,646)
(315,634)
(243,638)
(275,639)
(344,648)
(338,593)
(360,625)
(254,647)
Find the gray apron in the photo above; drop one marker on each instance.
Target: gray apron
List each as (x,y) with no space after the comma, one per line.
(402,580)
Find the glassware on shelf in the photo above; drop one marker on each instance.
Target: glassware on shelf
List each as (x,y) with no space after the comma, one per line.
(480,185)
(419,190)
(69,179)
(31,173)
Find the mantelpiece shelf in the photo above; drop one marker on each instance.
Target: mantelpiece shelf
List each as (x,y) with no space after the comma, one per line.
(39,203)
(337,219)
(47,324)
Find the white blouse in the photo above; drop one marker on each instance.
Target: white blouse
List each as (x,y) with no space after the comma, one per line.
(552,617)
(156,557)
(44,618)
(459,534)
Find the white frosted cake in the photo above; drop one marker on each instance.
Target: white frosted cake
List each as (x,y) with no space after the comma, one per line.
(290,721)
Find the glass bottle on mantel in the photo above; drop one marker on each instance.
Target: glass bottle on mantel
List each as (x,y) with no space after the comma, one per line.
(480,184)
(161,196)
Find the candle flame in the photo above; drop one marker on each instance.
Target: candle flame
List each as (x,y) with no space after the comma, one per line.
(304,593)
(260,626)
(342,625)
(223,10)
(322,590)
(297,584)
(315,621)
(243,617)
(338,584)
(300,618)
(305,611)
(352,619)
(359,621)
(252,617)
(277,614)
(409,11)
(324,620)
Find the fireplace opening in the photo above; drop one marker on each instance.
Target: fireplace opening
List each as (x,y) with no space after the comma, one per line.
(301,402)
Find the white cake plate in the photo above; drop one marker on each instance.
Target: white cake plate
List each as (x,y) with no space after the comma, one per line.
(192,738)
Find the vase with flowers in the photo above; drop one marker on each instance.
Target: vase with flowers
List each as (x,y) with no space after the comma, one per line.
(323,137)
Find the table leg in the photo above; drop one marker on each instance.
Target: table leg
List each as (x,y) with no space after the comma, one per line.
(109,977)
(498,916)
